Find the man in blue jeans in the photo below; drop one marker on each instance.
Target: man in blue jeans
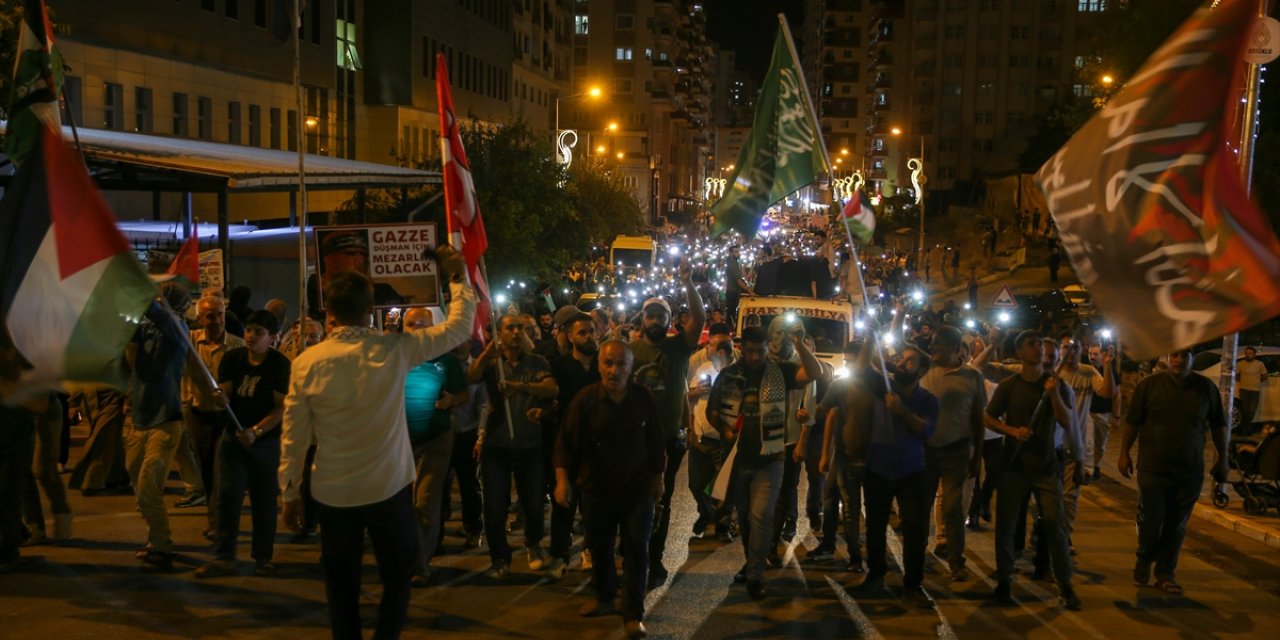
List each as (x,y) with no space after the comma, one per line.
(346,394)
(748,404)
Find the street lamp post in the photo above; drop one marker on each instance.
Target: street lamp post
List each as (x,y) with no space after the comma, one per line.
(567,140)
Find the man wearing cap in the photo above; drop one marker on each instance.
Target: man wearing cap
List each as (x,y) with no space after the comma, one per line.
(662,366)
(559,345)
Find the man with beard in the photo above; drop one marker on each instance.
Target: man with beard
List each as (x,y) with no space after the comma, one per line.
(1027,409)
(954,453)
(661,365)
(749,401)
(1170,412)
(896,471)
(611,447)
(573,373)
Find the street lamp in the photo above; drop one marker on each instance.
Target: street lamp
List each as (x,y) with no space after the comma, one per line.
(593,92)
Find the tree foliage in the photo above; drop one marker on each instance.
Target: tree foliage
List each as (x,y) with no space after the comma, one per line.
(538,217)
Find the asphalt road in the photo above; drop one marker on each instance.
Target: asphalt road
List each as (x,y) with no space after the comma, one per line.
(91,588)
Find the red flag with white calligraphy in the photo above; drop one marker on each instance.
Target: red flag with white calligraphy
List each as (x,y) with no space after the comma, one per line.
(1149,202)
(466,227)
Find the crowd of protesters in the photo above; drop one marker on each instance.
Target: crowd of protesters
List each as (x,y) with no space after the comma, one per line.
(588,418)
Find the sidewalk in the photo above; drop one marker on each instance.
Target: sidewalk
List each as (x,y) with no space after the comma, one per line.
(1264,528)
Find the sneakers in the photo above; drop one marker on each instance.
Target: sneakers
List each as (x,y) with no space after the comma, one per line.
(699,528)
(822,552)
(587,565)
(473,541)
(36,537)
(62,526)
(555,568)
(635,629)
(597,608)
(537,558)
(157,562)
(496,571)
(1070,600)
(960,574)
(774,559)
(917,596)
(1142,573)
(657,576)
(215,568)
(264,569)
(192,500)
(855,566)
(873,583)
(755,589)
(1003,595)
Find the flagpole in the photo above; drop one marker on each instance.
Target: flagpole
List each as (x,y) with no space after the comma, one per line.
(493,317)
(804,93)
(862,288)
(1248,131)
(299,138)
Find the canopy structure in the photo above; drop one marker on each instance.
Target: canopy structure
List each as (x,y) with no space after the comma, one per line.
(140,162)
(123,161)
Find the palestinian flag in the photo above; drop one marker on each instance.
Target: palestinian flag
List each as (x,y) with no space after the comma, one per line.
(187,263)
(37,78)
(71,291)
(859,218)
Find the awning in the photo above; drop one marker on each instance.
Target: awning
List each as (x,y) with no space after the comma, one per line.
(134,161)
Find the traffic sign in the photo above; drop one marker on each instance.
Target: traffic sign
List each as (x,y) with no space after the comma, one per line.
(1005,298)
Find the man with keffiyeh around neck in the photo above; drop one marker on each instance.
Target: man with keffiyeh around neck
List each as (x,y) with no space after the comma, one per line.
(748,404)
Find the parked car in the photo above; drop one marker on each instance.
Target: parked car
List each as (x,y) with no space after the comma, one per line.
(1078,296)
(1209,364)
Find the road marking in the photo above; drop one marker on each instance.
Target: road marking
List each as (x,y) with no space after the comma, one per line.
(943,629)
(865,627)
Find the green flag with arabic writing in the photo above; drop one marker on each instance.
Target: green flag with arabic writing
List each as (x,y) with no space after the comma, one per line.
(784,151)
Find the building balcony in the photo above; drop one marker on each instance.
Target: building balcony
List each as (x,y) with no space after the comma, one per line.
(680,115)
(882,152)
(878,128)
(658,62)
(879,107)
(877,174)
(880,60)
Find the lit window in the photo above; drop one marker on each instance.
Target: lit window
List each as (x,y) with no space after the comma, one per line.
(348,56)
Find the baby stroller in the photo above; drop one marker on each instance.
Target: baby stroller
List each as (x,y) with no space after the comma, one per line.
(1257,462)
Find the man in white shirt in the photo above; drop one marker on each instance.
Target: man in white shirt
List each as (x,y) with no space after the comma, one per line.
(346,394)
(1251,374)
(706,451)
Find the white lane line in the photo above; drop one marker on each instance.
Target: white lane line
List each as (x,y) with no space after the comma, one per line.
(865,627)
(943,629)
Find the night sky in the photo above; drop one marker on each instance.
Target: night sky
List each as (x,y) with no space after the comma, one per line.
(748,28)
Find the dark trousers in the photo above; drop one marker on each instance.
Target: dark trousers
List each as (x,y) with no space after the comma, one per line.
(205,428)
(311,510)
(1165,501)
(394,534)
(497,467)
(1248,408)
(254,469)
(731,307)
(464,467)
(705,459)
(1016,486)
(787,509)
(844,487)
(992,454)
(662,511)
(915,497)
(13,478)
(817,480)
(633,515)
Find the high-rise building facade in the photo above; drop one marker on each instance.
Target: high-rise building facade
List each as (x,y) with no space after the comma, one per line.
(653,63)
(965,81)
(834,58)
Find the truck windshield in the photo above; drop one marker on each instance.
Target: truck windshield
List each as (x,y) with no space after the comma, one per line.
(828,336)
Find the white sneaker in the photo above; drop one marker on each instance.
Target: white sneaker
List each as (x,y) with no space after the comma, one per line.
(62,526)
(586,560)
(537,558)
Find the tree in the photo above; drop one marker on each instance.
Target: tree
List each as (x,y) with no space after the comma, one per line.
(538,217)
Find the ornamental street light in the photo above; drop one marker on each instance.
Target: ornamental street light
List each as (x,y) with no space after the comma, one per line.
(593,92)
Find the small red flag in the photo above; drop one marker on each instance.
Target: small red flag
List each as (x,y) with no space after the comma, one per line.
(187,263)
